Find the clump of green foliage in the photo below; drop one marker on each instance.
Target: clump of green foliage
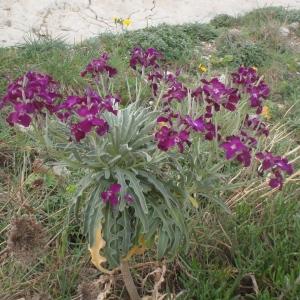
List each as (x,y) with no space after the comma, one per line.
(174,41)
(263,15)
(223,20)
(243,52)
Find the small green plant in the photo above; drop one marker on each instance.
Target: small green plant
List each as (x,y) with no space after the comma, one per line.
(128,200)
(244,53)
(223,20)
(264,15)
(251,54)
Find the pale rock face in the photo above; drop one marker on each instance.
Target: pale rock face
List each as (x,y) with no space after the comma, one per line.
(76,20)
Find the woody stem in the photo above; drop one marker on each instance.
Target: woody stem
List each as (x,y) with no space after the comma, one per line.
(129,284)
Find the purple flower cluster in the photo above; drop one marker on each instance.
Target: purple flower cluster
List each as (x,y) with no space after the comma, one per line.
(257,95)
(243,144)
(203,125)
(175,130)
(245,76)
(257,89)
(257,126)
(30,95)
(88,110)
(36,94)
(145,59)
(277,165)
(218,94)
(99,66)
(236,148)
(168,137)
(176,91)
(111,195)
(154,79)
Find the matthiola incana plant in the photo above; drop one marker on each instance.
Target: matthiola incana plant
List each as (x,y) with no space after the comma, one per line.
(141,163)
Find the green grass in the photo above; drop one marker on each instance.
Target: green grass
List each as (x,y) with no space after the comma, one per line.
(262,241)
(264,244)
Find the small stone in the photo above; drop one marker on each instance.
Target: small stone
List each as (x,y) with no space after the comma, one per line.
(42,296)
(294,26)
(233,35)
(61,171)
(43,31)
(284,31)
(8,23)
(234,32)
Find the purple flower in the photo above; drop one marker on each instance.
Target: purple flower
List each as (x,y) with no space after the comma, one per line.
(21,115)
(235,148)
(129,198)
(211,131)
(109,102)
(245,76)
(30,95)
(256,88)
(247,139)
(99,66)
(197,93)
(168,118)
(102,127)
(176,91)
(170,77)
(145,59)
(181,139)
(244,157)
(270,161)
(276,181)
(198,125)
(168,138)
(84,113)
(111,195)
(154,78)
(277,165)
(257,95)
(81,129)
(209,112)
(254,123)
(215,89)
(218,94)
(18,117)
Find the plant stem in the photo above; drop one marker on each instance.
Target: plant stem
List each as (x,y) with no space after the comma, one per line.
(129,284)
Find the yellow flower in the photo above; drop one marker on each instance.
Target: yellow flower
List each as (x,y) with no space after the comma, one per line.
(254,68)
(266,113)
(162,124)
(127,22)
(202,68)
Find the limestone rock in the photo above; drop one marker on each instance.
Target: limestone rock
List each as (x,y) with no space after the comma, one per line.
(294,26)
(284,31)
